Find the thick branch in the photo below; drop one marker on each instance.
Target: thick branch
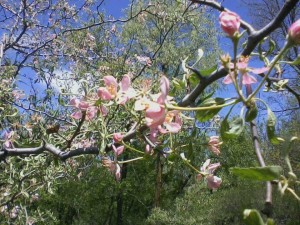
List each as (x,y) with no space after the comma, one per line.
(45,147)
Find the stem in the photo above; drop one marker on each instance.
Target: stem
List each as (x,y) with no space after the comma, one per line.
(268,200)
(203,107)
(293,193)
(131,148)
(193,168)
(288,162)
(237,88)
(130,160)
(158,181)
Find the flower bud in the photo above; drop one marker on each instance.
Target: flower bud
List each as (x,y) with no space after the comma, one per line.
(230,23)
(294,33)
(118,137)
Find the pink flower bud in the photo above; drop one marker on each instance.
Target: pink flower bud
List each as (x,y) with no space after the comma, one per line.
(230,22)
(118,137)
(294,33)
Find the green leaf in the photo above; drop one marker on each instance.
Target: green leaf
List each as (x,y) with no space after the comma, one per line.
(251,114)
(271,47)
(205,115)
(25,194)
(207,72)
(267,173)
(236,127)
(194,79)
(232,129)
(271,122)
(61,101)
(252,217)
(270,222)
(212,101)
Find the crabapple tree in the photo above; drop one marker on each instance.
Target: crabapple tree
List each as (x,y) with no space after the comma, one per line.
(124,94)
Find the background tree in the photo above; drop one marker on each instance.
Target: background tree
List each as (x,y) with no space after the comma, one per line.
(97,122)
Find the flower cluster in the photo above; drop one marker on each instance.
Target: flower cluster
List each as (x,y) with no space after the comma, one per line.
(213,182)
(110,91)
(158,119)
(214,144)
(81,106)
(243,69)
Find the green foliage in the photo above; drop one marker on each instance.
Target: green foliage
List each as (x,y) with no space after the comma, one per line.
(267,173)
(271,122)
(252,217)
(251,114)
(205,115)
(231,129)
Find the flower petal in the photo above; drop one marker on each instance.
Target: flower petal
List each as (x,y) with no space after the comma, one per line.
(104,94)
(164,86)
(76,115)
(74,102)
(259,70)
(227,79)
(213,182)
(125,83)
(91,112)
(110,81)
(248,79)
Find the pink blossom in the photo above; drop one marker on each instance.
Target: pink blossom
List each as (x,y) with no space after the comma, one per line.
(172,123)
(8,137)
(112,167)
(164,86)
(141,104)
(91,111)
(76,115)
(106,162)
(230,22)
(214,144)
(83,105)
(153,135)
(243,69)
(294,32)
(213,182)
(110,91)
(155,115)
(17,94)
(126,92)
(75,102)
(118,150)
(118,137)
